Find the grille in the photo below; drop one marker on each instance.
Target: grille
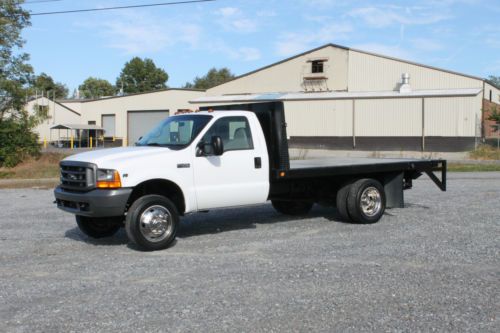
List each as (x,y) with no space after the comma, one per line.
(77,176)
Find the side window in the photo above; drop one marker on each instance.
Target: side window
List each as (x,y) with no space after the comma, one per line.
(234,132)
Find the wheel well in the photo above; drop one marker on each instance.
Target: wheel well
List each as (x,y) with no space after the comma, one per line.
(162,187)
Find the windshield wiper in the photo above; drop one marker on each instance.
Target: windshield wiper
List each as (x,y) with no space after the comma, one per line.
(153,144)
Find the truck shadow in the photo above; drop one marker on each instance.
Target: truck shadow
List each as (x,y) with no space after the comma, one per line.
(216,221)
(120,238)
(231,219)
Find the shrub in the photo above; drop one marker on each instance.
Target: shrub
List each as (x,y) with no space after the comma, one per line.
(17,142)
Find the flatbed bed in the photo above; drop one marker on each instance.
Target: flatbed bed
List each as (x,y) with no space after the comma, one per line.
(351,166)
(336,162)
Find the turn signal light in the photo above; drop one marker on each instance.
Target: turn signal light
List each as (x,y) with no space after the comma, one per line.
(110,182)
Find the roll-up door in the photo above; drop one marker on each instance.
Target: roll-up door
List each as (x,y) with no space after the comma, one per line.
(108,123)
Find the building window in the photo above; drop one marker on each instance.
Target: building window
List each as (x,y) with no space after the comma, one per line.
(317,66)
(91,122)
(491,95)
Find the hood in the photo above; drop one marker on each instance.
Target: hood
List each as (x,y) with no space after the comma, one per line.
(110,157)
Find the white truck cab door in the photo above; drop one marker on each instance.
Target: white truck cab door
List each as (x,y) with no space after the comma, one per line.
(238,176)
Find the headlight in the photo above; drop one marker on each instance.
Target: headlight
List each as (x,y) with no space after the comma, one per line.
(107,178)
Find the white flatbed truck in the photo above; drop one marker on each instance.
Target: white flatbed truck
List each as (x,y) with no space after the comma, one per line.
(223,156)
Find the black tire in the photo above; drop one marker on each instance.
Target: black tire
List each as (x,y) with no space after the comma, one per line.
(341,202)
(373,209)
(292,207)
(145,235)
(99,227)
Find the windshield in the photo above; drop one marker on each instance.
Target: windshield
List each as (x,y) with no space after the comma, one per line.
(175,132)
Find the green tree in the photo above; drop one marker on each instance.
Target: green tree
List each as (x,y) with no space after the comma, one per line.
(15,73)
(140,75)
(17,139)
(495,116)
(213,78)
(93,87)
(495,80)
(46,84)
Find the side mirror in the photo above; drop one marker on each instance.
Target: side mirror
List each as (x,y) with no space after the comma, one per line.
(217,145)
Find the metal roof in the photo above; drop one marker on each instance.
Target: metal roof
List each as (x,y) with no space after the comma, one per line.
(330,95)
(77,127)
(141,93)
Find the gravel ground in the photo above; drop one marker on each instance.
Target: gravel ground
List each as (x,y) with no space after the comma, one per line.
(433,266)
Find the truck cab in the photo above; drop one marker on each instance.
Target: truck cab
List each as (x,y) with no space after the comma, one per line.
(196,161)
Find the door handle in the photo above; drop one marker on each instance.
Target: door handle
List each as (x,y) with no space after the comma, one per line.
(257,162)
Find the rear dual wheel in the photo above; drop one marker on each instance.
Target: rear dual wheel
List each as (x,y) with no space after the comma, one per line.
(362,201)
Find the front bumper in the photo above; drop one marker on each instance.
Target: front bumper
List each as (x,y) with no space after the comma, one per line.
(95,203)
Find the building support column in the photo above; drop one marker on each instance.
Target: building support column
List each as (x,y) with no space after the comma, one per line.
(353,124)
(423,124)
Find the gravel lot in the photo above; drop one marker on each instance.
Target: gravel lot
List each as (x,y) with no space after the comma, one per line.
(432,266)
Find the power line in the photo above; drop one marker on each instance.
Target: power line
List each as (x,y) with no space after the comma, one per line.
(120,7)
(39,1)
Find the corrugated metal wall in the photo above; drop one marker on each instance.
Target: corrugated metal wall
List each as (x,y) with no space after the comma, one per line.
(371,73)
(398,117)
(289,75)
(388,117)
(319,118)
(452,116)
(492,91)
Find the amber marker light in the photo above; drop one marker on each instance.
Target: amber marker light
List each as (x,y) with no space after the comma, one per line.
(282,174)
(108,179)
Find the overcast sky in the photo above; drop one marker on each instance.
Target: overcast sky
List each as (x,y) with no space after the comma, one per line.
(243,35)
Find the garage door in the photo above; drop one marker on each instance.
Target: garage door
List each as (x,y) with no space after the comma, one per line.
(141,122)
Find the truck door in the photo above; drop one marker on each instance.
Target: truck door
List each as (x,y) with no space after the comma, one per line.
(238,176)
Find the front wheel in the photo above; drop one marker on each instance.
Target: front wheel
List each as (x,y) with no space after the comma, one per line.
(99,227)
(152,222)
(292,207)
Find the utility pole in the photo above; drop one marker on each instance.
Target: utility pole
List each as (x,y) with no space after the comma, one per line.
(54,97)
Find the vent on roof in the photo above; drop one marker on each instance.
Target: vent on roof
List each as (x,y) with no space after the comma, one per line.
(405,85)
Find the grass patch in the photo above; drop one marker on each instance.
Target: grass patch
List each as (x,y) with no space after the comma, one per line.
(46,166)
(485,152)
(457,167)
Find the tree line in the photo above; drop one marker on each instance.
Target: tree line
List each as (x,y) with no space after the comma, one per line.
(142,75)
(137,76)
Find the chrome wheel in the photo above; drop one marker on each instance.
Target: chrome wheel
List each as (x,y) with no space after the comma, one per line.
(156,223)
(371,201)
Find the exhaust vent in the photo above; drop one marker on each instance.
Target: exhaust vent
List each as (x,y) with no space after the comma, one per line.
(405,85)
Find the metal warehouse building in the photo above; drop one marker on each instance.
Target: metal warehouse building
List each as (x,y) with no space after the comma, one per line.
(341,98)
(335,98)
